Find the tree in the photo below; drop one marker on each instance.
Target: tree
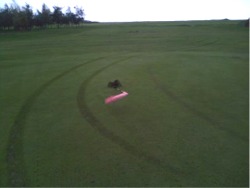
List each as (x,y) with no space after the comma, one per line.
(38,21)
(79,15)
(22,17)
(57,15)
(28,12)
(46,15)
(247,23)
(71,17)
(6,17)
(43,18)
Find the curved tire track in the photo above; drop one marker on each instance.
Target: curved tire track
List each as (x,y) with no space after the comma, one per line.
(193,45)
(105,132)
(193,110)
(14,158)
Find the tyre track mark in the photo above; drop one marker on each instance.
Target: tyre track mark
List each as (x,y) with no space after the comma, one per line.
(195,45)
(14,158)
(110,135)
(193,110)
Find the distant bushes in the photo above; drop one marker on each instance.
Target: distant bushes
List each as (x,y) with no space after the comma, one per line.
(247,23)
(23,18)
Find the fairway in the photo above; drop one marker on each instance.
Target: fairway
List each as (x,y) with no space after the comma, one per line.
(185,121)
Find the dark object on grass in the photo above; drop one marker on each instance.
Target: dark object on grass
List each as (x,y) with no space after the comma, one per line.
(115,84)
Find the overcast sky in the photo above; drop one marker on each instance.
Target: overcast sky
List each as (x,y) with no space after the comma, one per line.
(149,10)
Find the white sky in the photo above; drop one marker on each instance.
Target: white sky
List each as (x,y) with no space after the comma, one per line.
(149,10)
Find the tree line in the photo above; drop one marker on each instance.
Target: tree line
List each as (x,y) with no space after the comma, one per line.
(23,18)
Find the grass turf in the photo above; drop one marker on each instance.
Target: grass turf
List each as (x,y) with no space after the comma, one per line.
(184,123)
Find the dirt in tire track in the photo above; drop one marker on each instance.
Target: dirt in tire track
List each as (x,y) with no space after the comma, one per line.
(110,135)
(14,158)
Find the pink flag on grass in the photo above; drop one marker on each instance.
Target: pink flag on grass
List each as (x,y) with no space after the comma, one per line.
(114,98)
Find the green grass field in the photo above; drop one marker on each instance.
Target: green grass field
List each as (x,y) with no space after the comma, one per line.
(184,123)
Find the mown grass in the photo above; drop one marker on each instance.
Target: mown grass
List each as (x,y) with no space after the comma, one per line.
(184,123)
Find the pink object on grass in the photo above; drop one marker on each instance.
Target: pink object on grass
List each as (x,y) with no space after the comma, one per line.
(114,98)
